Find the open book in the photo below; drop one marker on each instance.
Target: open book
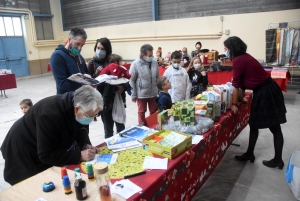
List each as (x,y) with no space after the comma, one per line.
(81,79)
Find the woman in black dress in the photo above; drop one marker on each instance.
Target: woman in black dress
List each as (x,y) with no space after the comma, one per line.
(267,109)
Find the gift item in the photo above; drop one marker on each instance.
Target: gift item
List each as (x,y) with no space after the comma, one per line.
(211,110)
(162,118)
(203,124)
(213,96)
(184,111)
(170,146)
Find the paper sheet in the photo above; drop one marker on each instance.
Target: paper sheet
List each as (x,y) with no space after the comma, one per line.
(92,161)
(155,163)
(125,188)
(196,139)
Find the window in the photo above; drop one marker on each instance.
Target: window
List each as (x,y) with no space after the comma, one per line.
(42,17)
(10,26)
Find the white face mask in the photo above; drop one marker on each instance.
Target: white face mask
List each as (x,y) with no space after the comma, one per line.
(196,66)
(175,65)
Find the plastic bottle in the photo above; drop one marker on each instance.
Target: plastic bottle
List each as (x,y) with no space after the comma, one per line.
(103,181)
(80,187)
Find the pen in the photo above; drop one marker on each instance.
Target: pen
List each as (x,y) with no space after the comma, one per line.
(133,175)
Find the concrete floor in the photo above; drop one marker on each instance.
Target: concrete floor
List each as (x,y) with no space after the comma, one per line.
(231,181)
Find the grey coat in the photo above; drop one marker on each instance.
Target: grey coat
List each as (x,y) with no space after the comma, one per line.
(143,79)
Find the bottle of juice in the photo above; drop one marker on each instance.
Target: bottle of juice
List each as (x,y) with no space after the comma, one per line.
(103,181)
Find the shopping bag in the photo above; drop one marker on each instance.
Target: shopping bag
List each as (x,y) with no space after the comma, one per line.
(118,110)
(292,173)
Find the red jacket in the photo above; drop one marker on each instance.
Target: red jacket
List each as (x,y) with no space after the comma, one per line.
(116,70)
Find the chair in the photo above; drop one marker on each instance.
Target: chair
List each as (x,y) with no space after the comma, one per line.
(151,121)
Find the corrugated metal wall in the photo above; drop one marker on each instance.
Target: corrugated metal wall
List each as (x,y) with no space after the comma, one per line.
(175,9)
(92,13)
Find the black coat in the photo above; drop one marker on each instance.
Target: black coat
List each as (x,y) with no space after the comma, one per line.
(42,139)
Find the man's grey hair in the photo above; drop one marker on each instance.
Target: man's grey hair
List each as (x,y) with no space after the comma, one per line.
(88,98)
(77,32)
(145,48)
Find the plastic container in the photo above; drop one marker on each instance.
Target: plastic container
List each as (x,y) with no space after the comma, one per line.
(103,181)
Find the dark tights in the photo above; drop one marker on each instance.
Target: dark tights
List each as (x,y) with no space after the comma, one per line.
(278,141)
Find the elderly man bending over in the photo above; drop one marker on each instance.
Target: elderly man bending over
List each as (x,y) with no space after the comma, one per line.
(47,134)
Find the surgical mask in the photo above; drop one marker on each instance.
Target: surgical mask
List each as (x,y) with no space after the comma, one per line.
(84,120)
(196,66)
(74,50)
(149,59)
(101,54)
(227,54)
(175,65)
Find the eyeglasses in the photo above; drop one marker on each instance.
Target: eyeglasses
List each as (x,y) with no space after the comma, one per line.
(85,114)
(167,82)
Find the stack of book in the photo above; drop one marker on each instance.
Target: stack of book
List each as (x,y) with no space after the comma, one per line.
(129,138)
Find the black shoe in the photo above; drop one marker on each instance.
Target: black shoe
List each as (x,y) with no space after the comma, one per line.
(245,157)
(273,164)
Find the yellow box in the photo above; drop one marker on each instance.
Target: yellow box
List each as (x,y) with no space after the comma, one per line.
(168,152)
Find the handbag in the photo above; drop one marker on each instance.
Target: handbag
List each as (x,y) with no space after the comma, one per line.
(293,173)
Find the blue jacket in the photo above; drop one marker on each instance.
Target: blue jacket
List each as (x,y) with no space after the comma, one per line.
(164,101)
(63,65)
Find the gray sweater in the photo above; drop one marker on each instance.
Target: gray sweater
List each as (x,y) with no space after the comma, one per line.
(143,79)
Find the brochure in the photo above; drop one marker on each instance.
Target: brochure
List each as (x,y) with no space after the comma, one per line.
(108,158)
(118,142)
(136,132)
(105,77)
(81,79)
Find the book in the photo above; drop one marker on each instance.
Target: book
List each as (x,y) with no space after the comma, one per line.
(81,79)
(136,132)
(105,77)
(118,142)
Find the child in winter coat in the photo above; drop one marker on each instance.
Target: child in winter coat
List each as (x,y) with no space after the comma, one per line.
(164,100)
(198,77)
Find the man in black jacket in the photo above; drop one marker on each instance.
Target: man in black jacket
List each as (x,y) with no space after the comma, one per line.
(46,135)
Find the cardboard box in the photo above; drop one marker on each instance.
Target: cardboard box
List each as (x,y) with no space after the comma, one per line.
(162,118)
(213,96)
(168,152)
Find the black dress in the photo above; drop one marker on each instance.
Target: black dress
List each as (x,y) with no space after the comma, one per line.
(268,108)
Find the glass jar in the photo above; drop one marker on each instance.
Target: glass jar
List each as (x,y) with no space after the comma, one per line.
(103,181)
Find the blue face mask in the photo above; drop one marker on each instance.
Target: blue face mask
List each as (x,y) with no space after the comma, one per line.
(84,120)
(227,54)
(149,59)
(101,54)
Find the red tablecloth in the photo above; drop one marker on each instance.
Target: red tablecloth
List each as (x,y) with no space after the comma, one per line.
(222,77)
(7,81)
(189,171)
(282,82)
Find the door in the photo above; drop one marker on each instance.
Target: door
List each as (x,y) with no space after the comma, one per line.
(12,47)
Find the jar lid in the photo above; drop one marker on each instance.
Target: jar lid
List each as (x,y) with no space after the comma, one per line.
(101,168)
